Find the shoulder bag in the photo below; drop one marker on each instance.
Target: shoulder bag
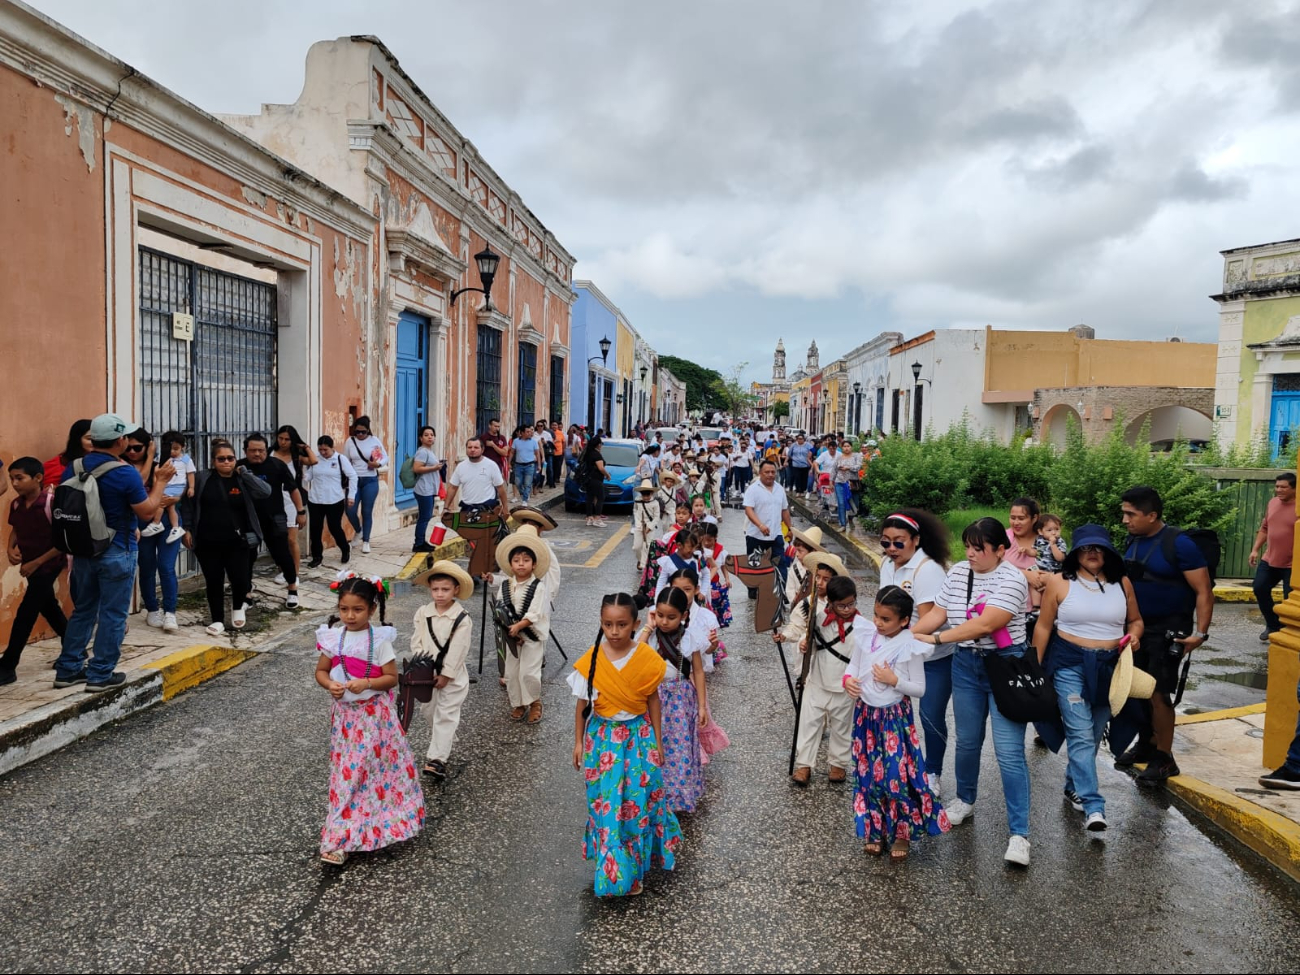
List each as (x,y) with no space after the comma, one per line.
(1021,690)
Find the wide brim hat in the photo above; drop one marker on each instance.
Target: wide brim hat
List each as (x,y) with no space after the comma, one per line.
(646,487)
(526,537)
(693,472)
(1128,682)
(445,567)
(1091,535)
(669,478)
(525,514)
(833,562)
(812,538)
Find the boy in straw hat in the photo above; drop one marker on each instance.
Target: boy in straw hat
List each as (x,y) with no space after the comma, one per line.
(524,515)
(646,512)
(442,631)
(802,544)
(525,559)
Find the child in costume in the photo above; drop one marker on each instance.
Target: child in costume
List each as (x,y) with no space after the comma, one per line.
(893,803)
(374,797)
(442,631)
(617,728)
(525,559)
(646,512)
(683,520)
(802,544)
(686,554)
(719,596)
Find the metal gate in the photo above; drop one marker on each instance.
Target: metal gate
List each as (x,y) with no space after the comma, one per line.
(223,382)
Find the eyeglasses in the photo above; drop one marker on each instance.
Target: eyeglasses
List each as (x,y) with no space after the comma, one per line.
(134,447)
(1091,550)
(224,457)
(896,543)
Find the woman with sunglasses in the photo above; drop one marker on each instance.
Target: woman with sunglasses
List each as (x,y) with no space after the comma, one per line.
(1093,607)
(915,545)
(157,558)
(367,456)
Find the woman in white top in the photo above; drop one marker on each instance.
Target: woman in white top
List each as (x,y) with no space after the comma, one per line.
(298,457)
(983,602)
(847,465)
(1093,607)
(428,468)
(367,456)
(915,547)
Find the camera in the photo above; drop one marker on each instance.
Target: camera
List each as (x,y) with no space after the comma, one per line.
(1175,649)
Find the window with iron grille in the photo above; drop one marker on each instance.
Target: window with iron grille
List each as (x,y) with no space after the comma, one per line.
(527,384)
(557,389)
(607,405)
(488,382)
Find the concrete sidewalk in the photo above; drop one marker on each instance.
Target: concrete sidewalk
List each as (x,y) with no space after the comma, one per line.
(36,718)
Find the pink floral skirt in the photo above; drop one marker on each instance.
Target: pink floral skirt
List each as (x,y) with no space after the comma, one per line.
(893,800)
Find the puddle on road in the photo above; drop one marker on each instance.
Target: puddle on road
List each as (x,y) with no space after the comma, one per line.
(1246,678)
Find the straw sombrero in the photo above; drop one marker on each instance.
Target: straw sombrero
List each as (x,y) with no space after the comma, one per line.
(668,478)
(812,538)
(528,515)
(1128,682)
(693,472)
(445,567)
(833,562)
(525,537)
(646,487)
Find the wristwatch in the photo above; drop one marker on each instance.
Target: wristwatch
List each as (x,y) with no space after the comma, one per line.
(301,512)
(1199,635)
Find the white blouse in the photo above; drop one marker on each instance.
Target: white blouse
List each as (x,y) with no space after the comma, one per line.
(690,646)
(356,645)
(578,683)
(902,652)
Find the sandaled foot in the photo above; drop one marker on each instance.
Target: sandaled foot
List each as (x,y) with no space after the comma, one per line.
(636,889)
(334,858)
(517,714)
(872,849)
(900,849)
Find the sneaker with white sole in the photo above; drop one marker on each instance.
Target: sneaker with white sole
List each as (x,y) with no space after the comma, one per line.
(151,530)
(1283,778)
(1095,823)
(175,535)
(280,580)
(365,548)
(155,618)
(169,623)
(933,781)
(1017,851)
(1073,799)
(959,811)
(292,600)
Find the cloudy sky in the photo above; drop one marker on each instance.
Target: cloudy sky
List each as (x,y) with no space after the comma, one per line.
(751,169)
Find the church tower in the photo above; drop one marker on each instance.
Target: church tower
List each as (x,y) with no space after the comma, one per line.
(778,363)
(813,358)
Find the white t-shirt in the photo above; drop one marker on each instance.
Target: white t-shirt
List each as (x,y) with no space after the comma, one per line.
(741,458)
(360,452)
(1004,588)
(355,646)
(922,578)
(768,506)
(184,467)
(903,653)
(477,481)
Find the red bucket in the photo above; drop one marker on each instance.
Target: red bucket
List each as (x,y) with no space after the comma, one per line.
(438,534)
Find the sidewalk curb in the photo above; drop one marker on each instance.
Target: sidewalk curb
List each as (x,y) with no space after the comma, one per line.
(832,528)
(192,666)
(455,548)
(1234,593)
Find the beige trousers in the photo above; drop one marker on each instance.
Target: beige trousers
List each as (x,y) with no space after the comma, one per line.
(443,712)
(524,674)
(822,707)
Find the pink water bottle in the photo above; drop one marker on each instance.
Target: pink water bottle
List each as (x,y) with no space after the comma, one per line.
(1001,636)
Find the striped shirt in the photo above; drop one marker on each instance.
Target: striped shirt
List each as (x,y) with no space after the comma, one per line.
(1003,588)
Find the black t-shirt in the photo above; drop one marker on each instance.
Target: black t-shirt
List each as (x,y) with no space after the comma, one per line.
(225,520)
(276,473)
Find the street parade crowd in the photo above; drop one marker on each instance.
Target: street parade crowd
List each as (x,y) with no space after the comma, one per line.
(1033,626)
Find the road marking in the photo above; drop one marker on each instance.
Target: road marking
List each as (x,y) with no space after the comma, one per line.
(604,551)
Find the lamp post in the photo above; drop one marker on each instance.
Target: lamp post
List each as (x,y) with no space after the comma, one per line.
(605,343)
(857,408)
(488,261)
(916,377)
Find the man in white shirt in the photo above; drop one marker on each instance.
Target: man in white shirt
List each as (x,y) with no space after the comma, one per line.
(478,482)
(742,465)
(331,485)
(766,510)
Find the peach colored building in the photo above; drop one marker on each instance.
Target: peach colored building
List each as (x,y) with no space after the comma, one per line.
(130,216)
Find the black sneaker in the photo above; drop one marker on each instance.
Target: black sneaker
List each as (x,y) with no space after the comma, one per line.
(1139,754)
(78,678)
(344,559)
(114,680)
(1283,778)
(1073,799)
(1264,635)
(1160,768)
(7,677)
(314,563)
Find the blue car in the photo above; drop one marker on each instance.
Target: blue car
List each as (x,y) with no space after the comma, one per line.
(621,458)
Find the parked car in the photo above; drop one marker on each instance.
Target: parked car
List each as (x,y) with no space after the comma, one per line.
(712,436)
(669,434)
(621,458)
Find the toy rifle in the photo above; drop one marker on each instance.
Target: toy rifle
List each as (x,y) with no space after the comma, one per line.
(778,621)
(811,603)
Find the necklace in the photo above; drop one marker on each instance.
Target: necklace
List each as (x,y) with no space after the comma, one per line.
(1099,587)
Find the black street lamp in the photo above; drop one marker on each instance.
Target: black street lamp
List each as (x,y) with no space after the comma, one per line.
(857,407)
(644,372)
(916,374)
(605,343)
(488,261)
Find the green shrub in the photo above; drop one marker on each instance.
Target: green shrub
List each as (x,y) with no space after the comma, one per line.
(910,474)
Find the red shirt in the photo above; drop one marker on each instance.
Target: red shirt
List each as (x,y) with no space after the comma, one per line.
(492,455)
(1279,522)
(32,532)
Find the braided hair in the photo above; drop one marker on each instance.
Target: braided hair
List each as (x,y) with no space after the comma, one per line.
(365,590)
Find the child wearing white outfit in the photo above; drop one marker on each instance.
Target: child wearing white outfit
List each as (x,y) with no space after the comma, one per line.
(442,631)
(526,560)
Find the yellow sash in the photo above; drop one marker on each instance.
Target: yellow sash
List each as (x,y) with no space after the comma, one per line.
(623,690)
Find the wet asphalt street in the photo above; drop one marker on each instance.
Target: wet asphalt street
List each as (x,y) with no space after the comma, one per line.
(185,840)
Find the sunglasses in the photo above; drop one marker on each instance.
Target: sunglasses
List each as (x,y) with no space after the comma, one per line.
(896,543)
(134,448)
(360,432)
(1091,550)
(224,457)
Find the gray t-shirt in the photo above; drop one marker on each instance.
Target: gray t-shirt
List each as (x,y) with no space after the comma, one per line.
(426,485)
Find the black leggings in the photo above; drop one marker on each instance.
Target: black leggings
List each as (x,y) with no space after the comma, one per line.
(595,498)
(800,476)
(38,600)
(277,546)
(218,563)
(320,515)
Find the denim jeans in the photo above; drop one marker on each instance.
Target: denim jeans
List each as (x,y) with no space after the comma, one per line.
(1266,577)
(158,565)
(367,491)
(103,596)
(524,474)
(934,712)
(843,502)
(424,502)
(1084,725)
(1293,753)
(972,704)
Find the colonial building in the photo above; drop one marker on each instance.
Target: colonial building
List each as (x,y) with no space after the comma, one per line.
(867,368)
(767,395)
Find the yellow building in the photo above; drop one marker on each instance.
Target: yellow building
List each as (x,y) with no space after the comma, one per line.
(625,366)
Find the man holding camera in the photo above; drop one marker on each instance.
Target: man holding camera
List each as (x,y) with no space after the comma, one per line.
(1176,599)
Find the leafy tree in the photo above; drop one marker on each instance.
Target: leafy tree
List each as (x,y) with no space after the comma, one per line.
(780,410)
(701,383)
(737,399)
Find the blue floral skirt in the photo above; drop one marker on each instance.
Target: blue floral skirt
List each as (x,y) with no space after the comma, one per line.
(683,770)
(720,603)
(892,800)
(629,826)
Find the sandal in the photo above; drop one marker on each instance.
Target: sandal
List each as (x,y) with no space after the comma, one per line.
(238,617)
(334,858)
(900,849)
(215,629)
(636,889)
(873,849)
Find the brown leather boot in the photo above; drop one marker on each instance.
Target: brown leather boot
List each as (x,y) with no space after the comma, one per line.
(517,714)
(535,712)
(837,774)
(801,775)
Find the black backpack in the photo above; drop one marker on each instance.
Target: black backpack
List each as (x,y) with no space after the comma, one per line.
(77,521)
(1206,541)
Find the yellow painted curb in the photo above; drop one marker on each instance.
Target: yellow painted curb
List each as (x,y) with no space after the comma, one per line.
(192,666)
(1272,836)
(1241,594)
(454,549)
(1224,715)
(876,558)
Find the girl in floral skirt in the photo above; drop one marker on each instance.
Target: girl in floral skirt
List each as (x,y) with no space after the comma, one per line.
(375,797)
(703,628)
(893,802)
(715,557)
(683,698)
(617,730)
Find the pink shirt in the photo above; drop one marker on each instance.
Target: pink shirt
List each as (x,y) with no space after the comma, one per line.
(1021,560)
(1279,522)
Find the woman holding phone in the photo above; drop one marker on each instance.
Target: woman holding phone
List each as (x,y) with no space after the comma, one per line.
(1094,610)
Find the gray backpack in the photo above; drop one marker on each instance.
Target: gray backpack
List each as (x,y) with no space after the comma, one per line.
(78,521)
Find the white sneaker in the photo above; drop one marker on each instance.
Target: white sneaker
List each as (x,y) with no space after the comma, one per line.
(155,618)
(1017,851)
(365,548)
(175,535)
(292,600)
(933,781)
(151,530)
(169,623)
(1095,823)
(280,580)
(959,811)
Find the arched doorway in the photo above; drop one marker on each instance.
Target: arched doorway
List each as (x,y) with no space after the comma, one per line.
(1055,424)
(1170,423)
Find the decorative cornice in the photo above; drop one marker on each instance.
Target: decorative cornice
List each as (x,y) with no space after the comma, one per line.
(406,248)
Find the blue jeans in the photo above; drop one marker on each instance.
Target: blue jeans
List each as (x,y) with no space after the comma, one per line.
(1266,577)
(524,474)
(1293,753)
(367,491)
(972,704)
(1084,725)
(103,596)
(158,565)
(843,502)
(934,712)
(424,502)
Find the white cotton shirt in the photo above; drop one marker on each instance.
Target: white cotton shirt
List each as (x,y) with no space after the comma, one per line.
(1004,588)
(477,481)
(578,683)
(689,648)
(768,506)
(902,652)
(922,578)
(667,567)
(184,467)
(324,480)
(356,644)
(359,451)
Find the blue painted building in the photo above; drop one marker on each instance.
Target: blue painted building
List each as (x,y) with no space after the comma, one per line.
(593,377)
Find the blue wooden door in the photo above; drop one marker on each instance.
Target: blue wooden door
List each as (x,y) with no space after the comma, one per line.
(411,396)
(1284,422)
